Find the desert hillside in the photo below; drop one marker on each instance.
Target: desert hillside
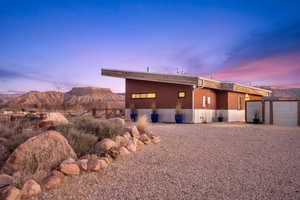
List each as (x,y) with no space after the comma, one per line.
(82,98)
(283,92)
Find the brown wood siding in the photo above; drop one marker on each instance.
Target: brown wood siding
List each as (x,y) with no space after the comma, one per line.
(166,94)
(198,98)
(233,100)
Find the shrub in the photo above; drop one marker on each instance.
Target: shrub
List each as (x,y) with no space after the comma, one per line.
(142,123)
(81,142)
(102,129)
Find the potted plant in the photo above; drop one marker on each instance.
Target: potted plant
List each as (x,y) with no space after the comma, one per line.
(256,118)
(133,113)
(178,113)
(220,118)
(154,114)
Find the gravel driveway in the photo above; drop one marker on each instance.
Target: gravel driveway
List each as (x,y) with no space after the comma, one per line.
(200,161)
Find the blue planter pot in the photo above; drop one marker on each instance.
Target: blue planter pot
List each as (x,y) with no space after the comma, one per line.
(179,118)
(133,117)
(154,117)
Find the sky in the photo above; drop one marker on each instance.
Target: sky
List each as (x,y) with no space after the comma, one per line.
(60,44)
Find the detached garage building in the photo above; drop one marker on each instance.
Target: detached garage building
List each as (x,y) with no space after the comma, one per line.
(202,100)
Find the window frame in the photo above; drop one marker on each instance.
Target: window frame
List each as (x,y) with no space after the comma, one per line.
(178,94)
(240,103)
(143,93)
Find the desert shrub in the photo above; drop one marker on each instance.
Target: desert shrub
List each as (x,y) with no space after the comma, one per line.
(102,129)
(142,123)
(9,129)
(113,153)
(81,142)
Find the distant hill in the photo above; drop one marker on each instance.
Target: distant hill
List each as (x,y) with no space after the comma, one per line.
(83,98)
(283,92)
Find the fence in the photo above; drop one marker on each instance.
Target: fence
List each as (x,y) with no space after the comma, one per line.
(283,112)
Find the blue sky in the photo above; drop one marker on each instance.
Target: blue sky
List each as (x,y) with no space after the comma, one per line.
(47,45)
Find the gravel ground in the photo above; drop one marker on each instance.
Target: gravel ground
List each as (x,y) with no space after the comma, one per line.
(194,161)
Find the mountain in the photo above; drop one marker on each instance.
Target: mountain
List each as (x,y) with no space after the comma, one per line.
(282,91)
(83,98)
(90,97)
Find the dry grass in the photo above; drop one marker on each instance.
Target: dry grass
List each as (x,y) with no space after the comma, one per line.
(80,141)
(142,123)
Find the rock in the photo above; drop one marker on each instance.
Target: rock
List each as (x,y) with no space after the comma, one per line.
(55,180)
(69,167)
(124,151)
(6,180)
(121,141)
(40,153)
(145,139)
(134,132)
(103,163)
(156,140)
(57,118)
(106,159)
(31,188)
(10,193)
(82,164)
(96,164)
(127,135)
(140,143)
(131,146)
(105,144)
(3,140)
(119,121)
(89,156)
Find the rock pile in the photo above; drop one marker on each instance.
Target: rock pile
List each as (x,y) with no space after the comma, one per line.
(61,162)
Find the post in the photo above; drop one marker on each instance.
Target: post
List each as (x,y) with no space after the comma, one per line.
(298,113)
(271,112)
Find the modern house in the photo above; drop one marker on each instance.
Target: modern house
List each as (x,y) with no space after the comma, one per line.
(202,100)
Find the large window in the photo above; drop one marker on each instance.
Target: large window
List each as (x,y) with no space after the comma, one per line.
(143,95)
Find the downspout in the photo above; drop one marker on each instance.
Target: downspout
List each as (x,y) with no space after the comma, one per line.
(193,104)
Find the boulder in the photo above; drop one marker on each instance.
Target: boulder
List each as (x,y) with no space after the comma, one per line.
(127,135)
(140,143)
(6,180)
(55,180)
(121,141)
(135,132)
(69,167)
(89,156)
(119,121)
(105,144)
(35,158)
(131,146)
(57,118)
(124,151)
(145,139)
(10,193)
(156,139)
(31,188)
(96,164)
(82,163)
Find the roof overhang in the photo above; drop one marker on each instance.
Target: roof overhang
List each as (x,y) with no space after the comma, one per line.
(186,80)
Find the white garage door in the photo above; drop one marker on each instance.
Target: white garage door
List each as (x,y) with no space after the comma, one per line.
(285,113)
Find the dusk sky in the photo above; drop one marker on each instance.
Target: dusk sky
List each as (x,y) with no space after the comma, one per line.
(46,45)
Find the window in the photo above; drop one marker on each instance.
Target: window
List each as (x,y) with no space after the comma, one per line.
(181,94)
(204,101)
(247,97)
(208,100)
(240,102)
(143,96)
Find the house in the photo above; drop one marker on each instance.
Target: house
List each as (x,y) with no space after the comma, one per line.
(202,100)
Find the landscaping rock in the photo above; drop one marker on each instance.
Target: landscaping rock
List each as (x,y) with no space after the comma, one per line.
(140,143)
(124,151)
(156,139)
(38,154)
(55,180)
(31,188)
(89,156)
(131,146)
(105,144)
(127,135)
(69,167)
(94,165)
(10,193)
(57,118)
(134,132)
(82,164)
(6,180)
(145,139)
(121,141)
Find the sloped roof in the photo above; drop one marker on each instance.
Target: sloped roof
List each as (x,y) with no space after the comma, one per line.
(186,80)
